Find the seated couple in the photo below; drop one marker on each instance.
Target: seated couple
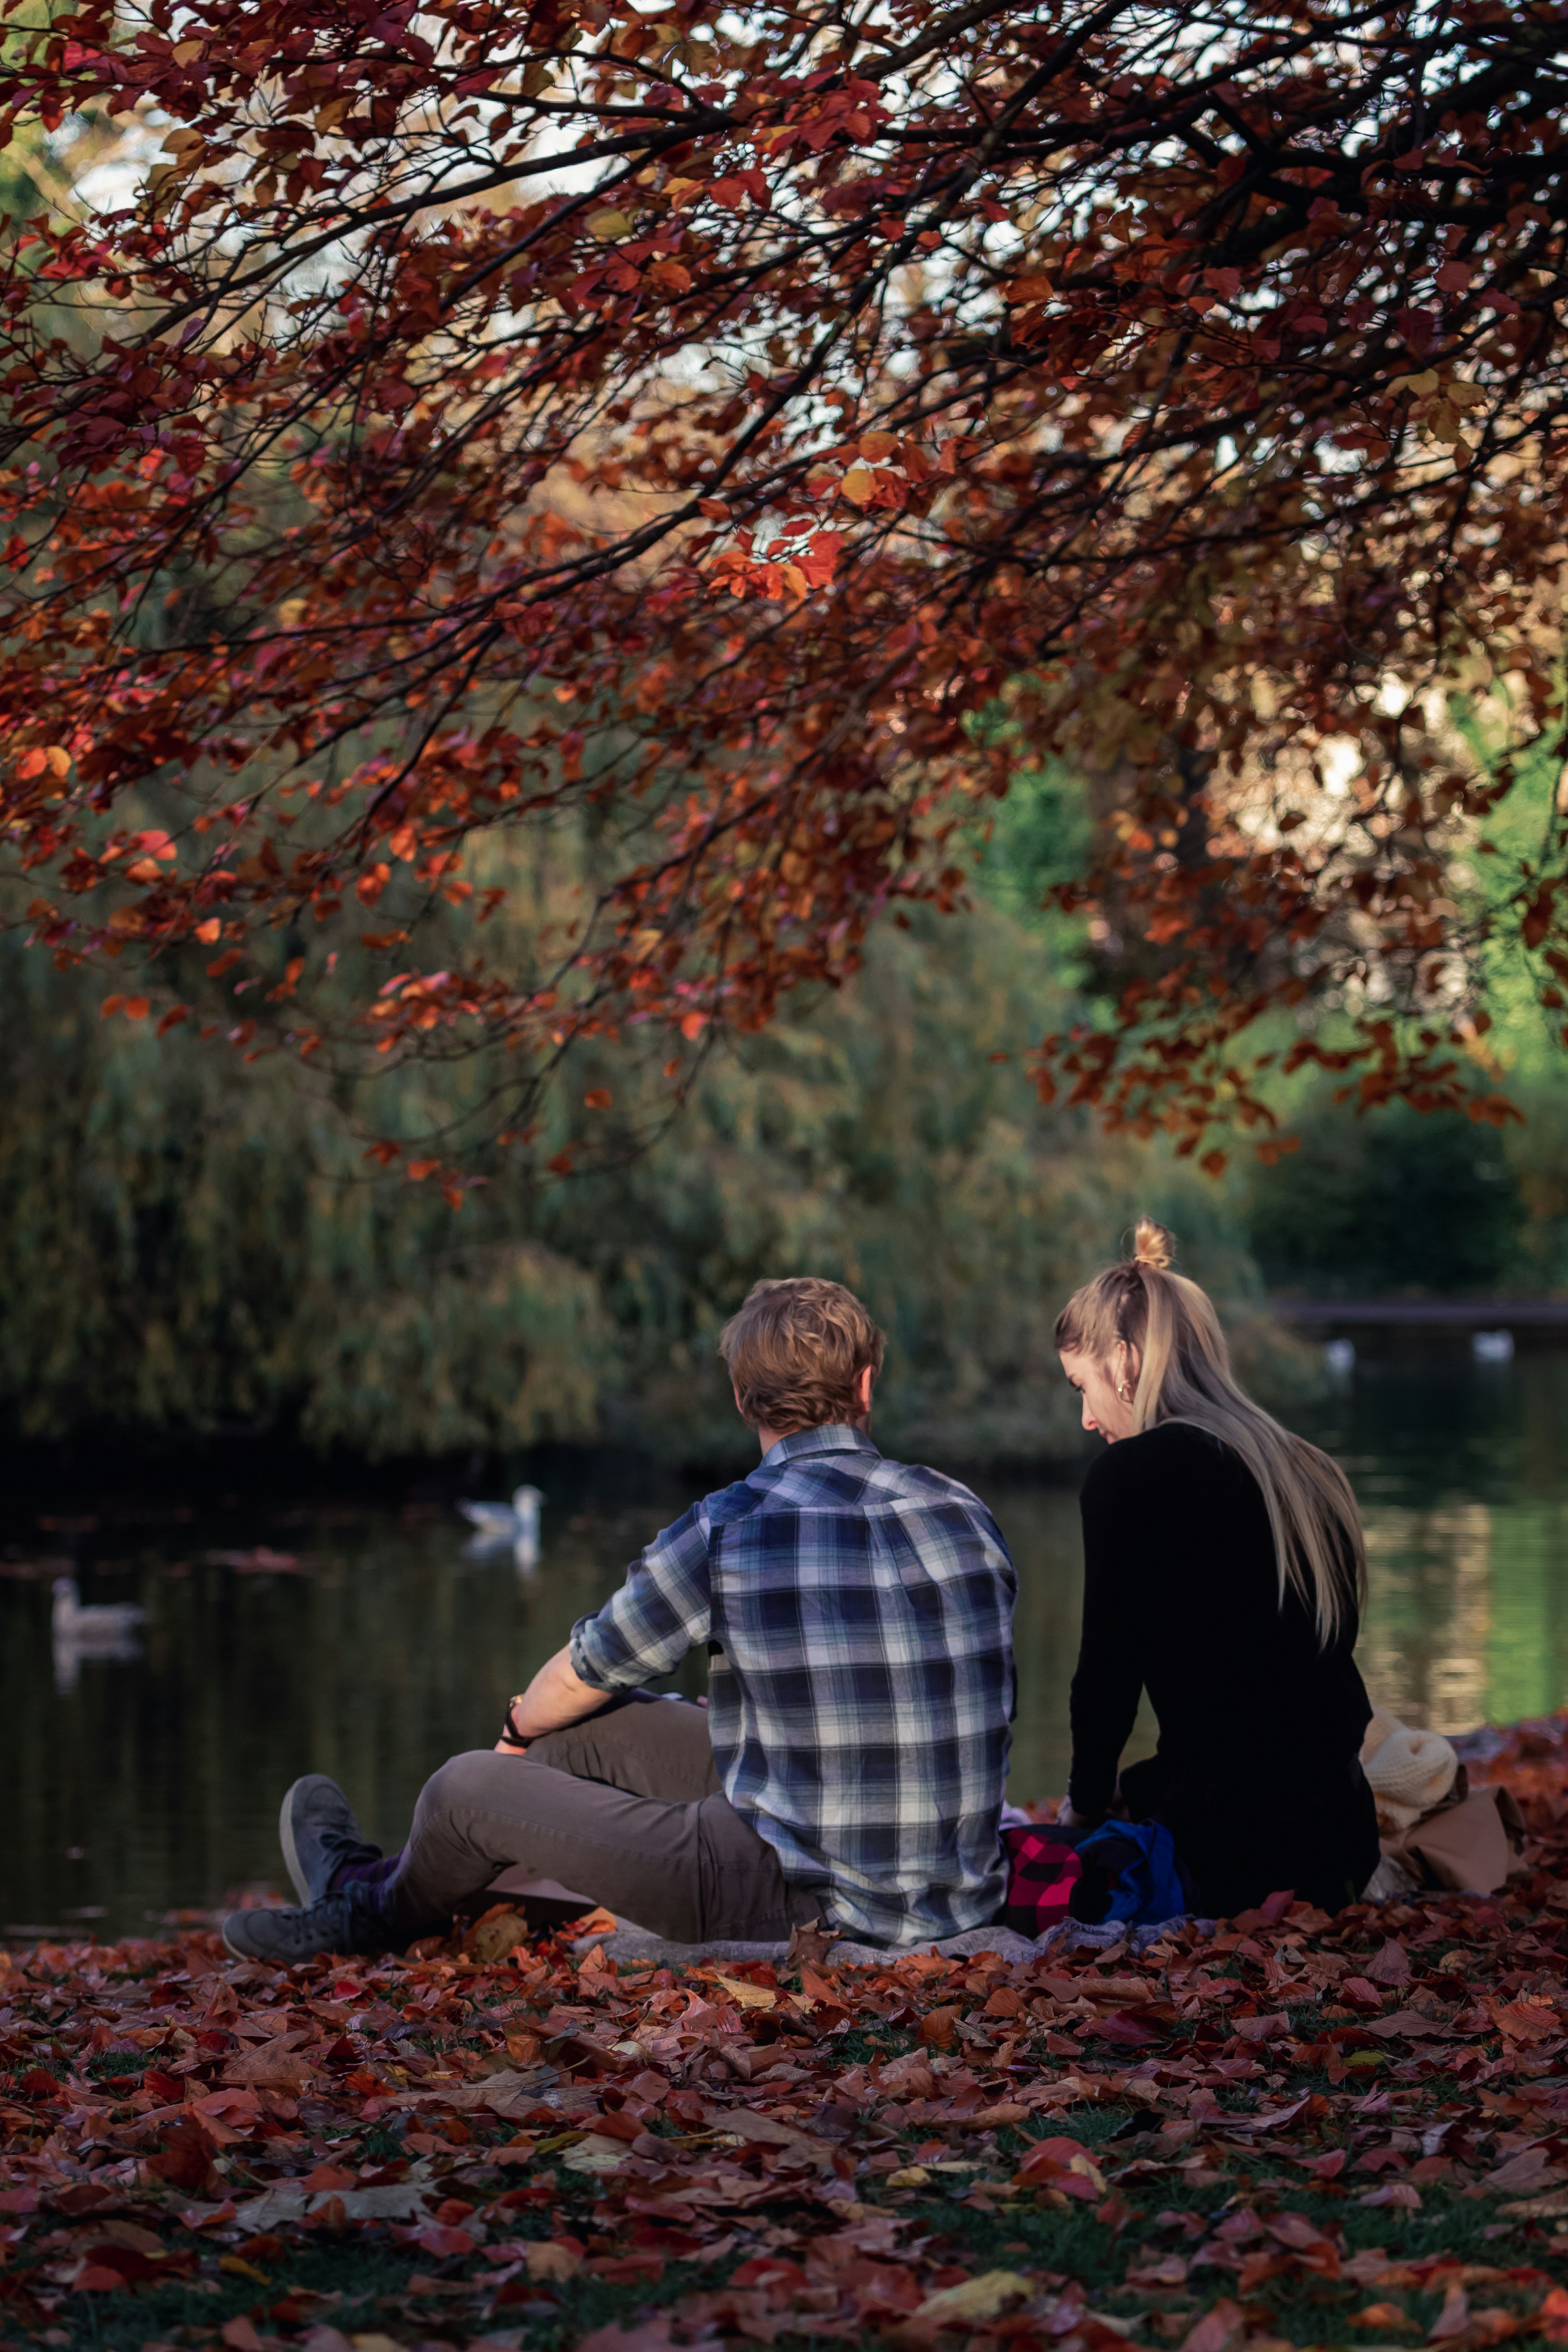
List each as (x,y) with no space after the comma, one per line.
(857,1617)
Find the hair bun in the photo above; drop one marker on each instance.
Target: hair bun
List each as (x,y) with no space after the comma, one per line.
(1153,1244)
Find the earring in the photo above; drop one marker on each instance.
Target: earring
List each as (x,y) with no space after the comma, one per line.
(1123,1393)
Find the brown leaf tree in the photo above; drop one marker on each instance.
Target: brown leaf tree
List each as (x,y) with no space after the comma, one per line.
(744,434)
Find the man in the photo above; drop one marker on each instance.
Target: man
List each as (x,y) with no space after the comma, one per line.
(858,1618)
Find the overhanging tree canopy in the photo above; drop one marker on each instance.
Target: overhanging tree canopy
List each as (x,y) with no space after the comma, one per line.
(758,428)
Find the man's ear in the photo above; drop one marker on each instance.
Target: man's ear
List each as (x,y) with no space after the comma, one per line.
(863,1387)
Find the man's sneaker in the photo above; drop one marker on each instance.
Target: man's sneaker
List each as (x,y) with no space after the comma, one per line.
(359,1920)
(319,1834)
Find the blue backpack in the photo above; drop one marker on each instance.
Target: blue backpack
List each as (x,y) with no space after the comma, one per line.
(1133,1866)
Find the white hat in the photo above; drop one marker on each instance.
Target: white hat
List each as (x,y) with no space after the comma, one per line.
(1410,1772)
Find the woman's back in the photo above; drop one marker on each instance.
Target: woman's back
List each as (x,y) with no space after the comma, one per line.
(1222,1565)
(1182,1589)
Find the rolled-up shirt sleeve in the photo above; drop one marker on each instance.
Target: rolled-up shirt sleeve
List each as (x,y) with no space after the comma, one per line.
(663,1610)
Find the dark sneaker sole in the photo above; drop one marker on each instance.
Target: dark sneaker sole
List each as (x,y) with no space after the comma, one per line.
(286,1840)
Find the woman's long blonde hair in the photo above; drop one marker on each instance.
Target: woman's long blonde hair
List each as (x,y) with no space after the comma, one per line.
(1184,1375)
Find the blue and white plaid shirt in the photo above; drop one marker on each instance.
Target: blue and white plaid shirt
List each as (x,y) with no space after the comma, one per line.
(860,1692)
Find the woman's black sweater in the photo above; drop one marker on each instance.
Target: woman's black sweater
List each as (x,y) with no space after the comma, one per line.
(1257,1774)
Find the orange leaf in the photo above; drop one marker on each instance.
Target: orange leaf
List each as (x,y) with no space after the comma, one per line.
(98,2279)
(1554,2317)
(1526,2019)
(597,1099)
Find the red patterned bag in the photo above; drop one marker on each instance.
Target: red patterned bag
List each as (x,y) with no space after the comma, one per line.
(1042,1871)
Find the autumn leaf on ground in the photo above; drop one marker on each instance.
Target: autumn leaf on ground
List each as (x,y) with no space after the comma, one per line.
(890,2150)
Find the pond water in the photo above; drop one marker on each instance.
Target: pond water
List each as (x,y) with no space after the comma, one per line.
(139,1786)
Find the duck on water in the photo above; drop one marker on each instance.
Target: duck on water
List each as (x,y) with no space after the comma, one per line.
(96,1629)
(513,1524)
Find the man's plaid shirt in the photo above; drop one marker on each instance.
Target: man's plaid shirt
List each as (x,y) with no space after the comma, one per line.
(860,1692)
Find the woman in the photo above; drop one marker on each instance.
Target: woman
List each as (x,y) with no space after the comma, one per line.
(1224,1573)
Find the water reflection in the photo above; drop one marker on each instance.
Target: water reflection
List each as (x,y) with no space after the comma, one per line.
(1458,1463)
(369,1647)
(1423,1651)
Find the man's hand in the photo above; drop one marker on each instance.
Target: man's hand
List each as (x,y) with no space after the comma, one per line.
(555,1697)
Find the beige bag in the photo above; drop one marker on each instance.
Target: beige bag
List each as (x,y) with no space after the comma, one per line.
(1476,1841)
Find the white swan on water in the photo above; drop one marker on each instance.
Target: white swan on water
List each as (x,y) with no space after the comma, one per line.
(512,1526)
(98,1629)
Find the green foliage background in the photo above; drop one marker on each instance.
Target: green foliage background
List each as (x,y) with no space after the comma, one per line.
(187,1242)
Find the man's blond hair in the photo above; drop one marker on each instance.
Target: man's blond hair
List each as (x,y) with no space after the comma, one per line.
(795,1352)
